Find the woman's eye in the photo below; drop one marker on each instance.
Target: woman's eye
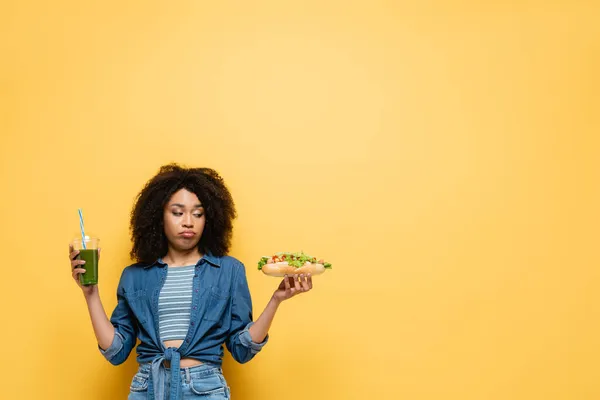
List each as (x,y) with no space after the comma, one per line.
(177,214)
(198,215)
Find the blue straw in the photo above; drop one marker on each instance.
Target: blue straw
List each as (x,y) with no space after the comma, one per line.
(82,230)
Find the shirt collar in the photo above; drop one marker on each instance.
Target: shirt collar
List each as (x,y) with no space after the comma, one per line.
(211,259)
(208,257)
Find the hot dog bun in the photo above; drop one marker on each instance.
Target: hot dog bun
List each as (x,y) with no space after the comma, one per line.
(283,268)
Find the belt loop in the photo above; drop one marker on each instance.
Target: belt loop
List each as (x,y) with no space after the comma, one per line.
(188,377)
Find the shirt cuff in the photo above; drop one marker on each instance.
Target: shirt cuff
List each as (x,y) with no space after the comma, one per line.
(246,340)
(114,348)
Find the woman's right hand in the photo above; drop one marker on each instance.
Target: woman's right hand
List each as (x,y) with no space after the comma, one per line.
(77,269)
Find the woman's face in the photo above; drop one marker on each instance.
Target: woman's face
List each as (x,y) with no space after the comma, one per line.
(184,220)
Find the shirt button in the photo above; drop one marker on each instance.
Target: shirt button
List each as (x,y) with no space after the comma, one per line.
(192,324)
(194,307)
(196,275)
(196,290)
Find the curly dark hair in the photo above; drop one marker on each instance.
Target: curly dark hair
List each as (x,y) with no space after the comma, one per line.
(147,224)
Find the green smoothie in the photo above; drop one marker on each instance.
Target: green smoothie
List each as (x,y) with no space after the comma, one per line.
(90,256)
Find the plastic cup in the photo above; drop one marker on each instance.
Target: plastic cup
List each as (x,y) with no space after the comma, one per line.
(90,256)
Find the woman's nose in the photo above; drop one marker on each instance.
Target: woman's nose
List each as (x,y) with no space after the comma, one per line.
(188,221)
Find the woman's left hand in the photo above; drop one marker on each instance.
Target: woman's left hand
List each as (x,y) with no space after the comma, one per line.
(293,285)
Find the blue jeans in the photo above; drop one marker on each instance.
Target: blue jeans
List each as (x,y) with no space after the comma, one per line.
(205,381)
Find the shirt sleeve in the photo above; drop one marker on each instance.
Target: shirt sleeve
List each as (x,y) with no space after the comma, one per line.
(239,342)
(125,329)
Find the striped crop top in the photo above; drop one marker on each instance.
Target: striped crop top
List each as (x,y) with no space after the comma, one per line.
(174,303)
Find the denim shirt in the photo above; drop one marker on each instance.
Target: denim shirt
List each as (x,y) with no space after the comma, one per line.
(221,313)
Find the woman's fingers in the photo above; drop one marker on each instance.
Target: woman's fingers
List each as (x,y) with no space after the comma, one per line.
(73,257)
(291,285)
(286,280)
(76,273)
(294,284)
(304,282)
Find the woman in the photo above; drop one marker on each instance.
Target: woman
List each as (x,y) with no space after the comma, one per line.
(185,297)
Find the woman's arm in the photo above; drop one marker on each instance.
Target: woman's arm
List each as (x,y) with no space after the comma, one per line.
(288,288)
(116,337)
(260,328)
(103,329)
(247,338)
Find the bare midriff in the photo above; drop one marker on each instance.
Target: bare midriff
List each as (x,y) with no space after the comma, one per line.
(185,362)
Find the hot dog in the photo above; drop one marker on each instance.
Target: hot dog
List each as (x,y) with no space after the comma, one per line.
(282,264)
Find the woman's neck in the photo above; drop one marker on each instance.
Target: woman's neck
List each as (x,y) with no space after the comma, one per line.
(179,258)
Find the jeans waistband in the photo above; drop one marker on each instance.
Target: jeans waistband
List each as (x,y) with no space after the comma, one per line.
(205,367)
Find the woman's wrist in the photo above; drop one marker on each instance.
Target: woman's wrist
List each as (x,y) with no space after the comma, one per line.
(275,300)
(91,294)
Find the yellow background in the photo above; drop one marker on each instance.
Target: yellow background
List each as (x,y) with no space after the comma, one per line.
(442,155)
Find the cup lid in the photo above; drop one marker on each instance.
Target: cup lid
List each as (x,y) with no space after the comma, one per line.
(87,238)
